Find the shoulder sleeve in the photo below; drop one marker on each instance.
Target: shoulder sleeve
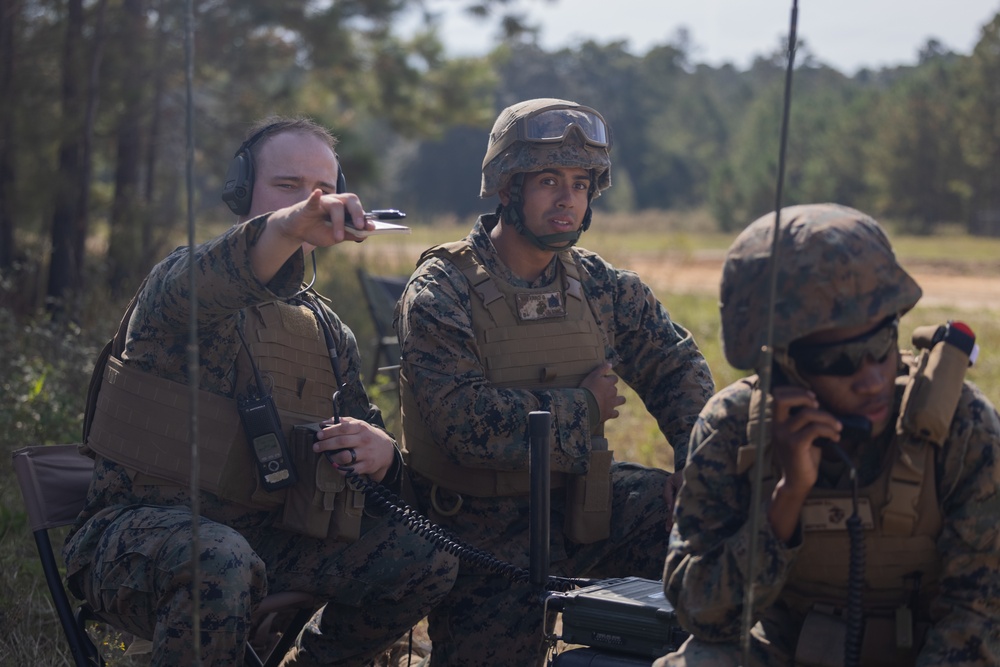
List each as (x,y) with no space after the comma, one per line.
(707,557)
(656,356)
(968,630)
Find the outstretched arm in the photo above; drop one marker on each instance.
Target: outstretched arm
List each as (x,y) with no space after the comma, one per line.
(317,222)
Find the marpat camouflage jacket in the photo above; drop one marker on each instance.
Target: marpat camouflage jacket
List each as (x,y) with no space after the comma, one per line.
(480,425)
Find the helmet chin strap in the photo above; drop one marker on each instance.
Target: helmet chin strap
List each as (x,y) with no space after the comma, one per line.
(513,214)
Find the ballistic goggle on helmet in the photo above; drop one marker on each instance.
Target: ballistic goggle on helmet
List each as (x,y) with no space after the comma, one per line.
(546,133)
(835,269)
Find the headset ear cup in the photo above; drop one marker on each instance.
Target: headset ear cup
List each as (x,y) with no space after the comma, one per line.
(341,179)
(237,191)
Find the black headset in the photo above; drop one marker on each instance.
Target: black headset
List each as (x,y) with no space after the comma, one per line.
(237,191)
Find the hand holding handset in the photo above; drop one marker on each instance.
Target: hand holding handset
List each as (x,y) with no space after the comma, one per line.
(856,428)
(379,218)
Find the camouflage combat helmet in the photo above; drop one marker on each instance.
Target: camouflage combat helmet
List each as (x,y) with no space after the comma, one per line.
(836,269)
(532,135)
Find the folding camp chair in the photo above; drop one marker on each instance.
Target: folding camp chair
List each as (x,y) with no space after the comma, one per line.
(54,480)
(381,294)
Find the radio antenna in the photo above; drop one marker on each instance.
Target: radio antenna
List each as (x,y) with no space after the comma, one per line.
(193,362)
(767,356)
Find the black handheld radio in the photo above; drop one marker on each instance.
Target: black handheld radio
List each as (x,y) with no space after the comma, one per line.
(267,442)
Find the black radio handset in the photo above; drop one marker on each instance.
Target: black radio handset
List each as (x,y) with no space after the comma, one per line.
(856,428)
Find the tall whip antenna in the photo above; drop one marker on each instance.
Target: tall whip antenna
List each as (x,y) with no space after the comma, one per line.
(767,356)
(193,371)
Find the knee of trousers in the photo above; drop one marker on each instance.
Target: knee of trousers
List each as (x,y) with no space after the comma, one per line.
(228,565)
(429,570)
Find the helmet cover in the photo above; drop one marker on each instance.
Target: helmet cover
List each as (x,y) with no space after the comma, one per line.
(576,137)
(836,269)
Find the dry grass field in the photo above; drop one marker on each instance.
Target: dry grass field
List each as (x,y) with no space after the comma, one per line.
(960,277)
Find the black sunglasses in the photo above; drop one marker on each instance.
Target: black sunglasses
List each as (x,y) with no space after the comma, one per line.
(846,357)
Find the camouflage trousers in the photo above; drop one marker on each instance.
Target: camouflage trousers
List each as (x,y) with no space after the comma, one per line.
(488,619)
(375,589)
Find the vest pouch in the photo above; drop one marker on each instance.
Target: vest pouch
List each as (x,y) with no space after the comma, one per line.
(305,511)
(588,500)
(821,640)
(880,644)
(348,506)
(327,508)
(932,394)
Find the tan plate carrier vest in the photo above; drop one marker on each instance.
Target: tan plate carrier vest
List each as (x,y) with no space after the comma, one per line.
(550,352)
(902,520)
(141,422)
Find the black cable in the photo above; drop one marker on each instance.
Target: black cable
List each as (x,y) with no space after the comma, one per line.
(856,569)
(398,510)
(326,326)
(312,281)
(256,372)
(855,584)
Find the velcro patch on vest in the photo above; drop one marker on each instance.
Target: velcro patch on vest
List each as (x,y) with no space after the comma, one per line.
(540,306)
(820,514)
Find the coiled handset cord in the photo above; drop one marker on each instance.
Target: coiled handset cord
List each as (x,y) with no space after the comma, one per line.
(400,511)
(856,568)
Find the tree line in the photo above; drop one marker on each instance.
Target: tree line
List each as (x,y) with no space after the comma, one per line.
(919,145)
(93,131)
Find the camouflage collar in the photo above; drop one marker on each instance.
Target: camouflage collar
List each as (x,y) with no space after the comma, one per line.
(480,239)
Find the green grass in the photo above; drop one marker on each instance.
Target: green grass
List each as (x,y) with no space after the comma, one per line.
(44,373)
(634,434)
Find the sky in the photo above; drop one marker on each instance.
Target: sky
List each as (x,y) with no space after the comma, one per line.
(847,35)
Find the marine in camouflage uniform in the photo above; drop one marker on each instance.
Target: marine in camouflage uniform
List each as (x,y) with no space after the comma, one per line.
(931,589)
(129,554)
(473,368)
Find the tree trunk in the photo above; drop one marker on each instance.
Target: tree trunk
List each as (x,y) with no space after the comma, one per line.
(125,250)
(63,271)
(10,15)
(154,220)
(82,226)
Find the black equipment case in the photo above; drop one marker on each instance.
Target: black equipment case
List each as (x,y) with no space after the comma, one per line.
(628,616)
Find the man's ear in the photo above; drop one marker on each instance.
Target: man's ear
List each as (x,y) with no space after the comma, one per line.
(504,194)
